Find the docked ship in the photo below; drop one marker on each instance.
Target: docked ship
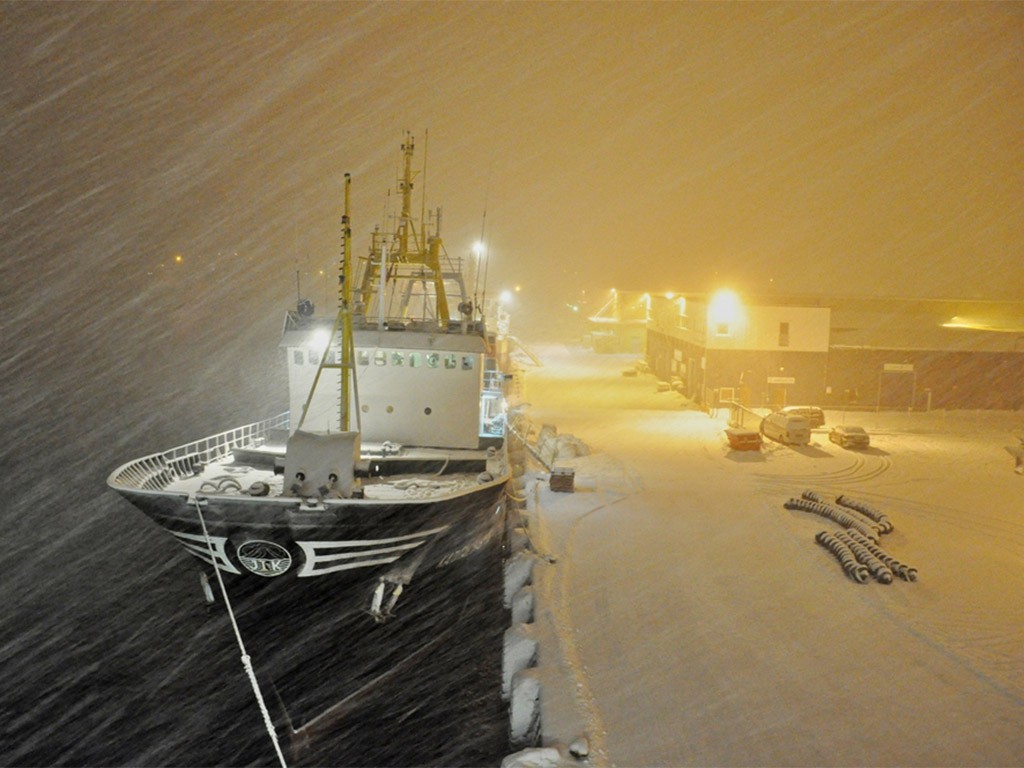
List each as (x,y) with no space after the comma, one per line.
(376,500)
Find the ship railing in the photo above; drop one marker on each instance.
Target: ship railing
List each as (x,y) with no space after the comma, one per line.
(363,320)
(494,381)
(157,470)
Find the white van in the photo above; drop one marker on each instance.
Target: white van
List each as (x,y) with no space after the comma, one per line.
(786,428)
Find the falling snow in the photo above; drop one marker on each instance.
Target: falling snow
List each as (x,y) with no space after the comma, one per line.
(170,171)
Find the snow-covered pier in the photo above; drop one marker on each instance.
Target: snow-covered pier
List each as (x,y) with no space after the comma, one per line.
(680,614)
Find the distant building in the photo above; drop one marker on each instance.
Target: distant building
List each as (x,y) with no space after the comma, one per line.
(888,353)
(621,324)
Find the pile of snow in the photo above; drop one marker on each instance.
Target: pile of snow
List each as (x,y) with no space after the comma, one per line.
(553,447)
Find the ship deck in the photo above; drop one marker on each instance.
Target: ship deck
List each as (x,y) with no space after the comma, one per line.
(232,463)
(381,476)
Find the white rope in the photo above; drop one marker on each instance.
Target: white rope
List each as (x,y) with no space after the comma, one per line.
(246,660)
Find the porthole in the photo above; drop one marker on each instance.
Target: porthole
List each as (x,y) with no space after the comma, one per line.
(427,410)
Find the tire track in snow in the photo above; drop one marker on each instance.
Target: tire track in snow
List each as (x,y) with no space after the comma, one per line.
(857,471)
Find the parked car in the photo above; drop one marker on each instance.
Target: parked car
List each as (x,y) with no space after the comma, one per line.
(812,413)
(786,428)
(849,436)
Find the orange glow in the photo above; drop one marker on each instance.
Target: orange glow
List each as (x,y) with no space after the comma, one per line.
(724,307)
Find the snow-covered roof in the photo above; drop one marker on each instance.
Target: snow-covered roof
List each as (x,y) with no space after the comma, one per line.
(967,325)
(948,325)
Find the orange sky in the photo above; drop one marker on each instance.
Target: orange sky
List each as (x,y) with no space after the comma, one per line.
(864,148)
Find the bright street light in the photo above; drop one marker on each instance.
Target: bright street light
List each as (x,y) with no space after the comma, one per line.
(724,308)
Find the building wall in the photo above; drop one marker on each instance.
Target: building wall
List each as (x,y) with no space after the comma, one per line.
(750,351)
(936,379)
(769,378)
(670,357)
(751,361)
(757,377)
(750,328)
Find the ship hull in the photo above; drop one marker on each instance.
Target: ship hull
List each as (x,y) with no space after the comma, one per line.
(348,541)
(338,662)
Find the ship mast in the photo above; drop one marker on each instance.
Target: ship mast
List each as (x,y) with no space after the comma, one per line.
(345,311)
(342,326)
(411,249)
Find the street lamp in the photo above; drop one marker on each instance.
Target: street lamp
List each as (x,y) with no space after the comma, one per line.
(725,311)
(724,319)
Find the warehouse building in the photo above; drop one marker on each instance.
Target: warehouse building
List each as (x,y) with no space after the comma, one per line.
(881,353)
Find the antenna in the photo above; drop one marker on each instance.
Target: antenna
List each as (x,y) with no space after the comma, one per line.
(480,254)
(487,263)
(483,245)
(423,192)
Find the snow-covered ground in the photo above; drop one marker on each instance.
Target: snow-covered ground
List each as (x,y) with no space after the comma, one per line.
(689,618)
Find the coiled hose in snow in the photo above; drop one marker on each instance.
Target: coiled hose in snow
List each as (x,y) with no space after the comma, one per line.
(902,570)
(879,570)
(884,524)
(835,514)
(855,570)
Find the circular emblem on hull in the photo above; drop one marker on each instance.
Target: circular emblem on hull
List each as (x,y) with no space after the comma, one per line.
(264,558)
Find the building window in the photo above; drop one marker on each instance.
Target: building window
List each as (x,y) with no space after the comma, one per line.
(298,357)
(363,357)
(721,329)
(314,357)
(450,362)
(783,334)
(415,360)
(380,357)
(467,362)
(397,358)
(433,359)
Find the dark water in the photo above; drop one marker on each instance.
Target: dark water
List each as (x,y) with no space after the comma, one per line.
(109,655)
(132,134)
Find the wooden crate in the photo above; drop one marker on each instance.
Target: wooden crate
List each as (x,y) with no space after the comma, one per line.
(563,479)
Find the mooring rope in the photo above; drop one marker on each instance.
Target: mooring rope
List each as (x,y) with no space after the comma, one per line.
(246,659)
